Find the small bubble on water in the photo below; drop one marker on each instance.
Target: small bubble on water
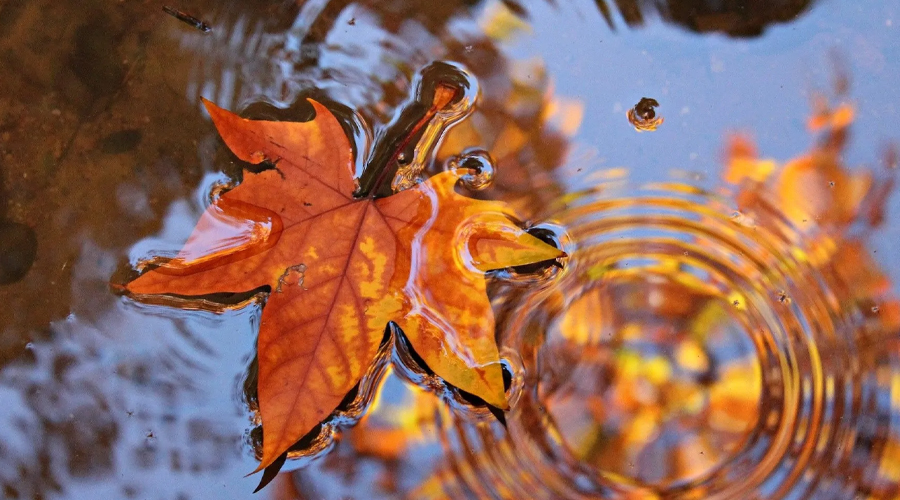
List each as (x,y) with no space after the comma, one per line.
(643,115)
(469,48)
(479,167)
(875,309)
(831,184)
(29,346)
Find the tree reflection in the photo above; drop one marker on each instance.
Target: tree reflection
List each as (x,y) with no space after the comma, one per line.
(738,18)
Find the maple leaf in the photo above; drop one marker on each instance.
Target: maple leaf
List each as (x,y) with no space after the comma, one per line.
(340,268)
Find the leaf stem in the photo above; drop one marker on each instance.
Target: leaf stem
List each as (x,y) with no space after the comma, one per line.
(379,173)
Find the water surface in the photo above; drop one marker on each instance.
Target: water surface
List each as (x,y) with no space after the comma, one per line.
(704,335)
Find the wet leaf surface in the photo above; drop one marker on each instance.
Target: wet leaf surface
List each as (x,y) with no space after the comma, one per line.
(340,268)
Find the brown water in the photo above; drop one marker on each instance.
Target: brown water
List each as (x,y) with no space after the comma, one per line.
(720,330)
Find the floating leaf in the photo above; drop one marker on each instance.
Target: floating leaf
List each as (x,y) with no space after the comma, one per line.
(340,268)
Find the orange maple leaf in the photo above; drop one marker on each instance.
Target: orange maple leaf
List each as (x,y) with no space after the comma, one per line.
(340,268)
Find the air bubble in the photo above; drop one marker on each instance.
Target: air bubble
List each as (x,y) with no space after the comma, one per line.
(477,169)
(643,115)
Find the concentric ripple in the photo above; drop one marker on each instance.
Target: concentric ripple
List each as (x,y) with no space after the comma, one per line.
(688,351)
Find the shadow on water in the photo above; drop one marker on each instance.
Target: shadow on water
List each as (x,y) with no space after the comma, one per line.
(106,158)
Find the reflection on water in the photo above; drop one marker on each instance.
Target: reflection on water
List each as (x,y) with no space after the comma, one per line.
(685,354)
(701,339)
(687,350)
(124,389)
(734,18)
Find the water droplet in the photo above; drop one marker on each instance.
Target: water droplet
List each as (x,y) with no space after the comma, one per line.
(875,309)
(477,169)
(29,346)
(643,115)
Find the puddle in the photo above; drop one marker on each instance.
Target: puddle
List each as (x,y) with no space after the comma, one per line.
(725,324)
